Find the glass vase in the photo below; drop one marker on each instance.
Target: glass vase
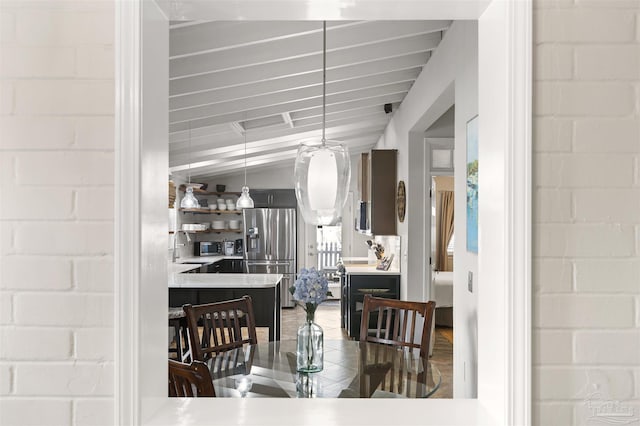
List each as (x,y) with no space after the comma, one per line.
(310,349)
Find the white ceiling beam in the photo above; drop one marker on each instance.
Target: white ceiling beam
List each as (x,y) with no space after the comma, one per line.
(287,119)
(182,158)
(201,127)
(203,64)
(277,73)
(219,165)
(348,109)
(304,88)
(267,106)
(268,165)
(363,128)
(215,35)
(354,115)
(347,38)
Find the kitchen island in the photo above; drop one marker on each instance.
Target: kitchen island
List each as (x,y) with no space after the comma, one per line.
(357,280)
(197,289)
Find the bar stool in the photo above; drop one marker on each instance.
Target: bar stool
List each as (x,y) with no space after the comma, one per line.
(178,323)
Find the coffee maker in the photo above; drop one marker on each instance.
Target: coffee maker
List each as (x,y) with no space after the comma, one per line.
(239,250)
(229,248)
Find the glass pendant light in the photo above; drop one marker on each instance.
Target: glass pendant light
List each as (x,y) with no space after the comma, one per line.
(189,201)
(245,201)
(322,170)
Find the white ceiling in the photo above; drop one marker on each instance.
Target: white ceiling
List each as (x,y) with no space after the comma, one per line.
(266,77)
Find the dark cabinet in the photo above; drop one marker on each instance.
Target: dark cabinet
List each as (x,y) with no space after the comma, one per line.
(275,198)
(354,288)
(227,266)
(233,266)
(377,182)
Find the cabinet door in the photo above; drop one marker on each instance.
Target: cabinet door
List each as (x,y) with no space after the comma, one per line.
(276,198)
(383,191)
(387,286)
(260,197)
(284,198)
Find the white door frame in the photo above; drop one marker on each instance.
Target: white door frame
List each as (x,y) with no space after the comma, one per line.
(505,105)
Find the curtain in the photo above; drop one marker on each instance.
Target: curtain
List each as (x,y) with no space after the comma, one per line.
(445,228)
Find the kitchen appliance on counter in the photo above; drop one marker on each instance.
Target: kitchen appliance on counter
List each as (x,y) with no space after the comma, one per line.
(270,245)
(239,250)
(229,248)
(207,248)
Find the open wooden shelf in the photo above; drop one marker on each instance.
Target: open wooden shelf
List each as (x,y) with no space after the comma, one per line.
(208,211)
(215,231)
(203,192)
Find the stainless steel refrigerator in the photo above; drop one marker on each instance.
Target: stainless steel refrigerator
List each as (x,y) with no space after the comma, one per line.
(270,245)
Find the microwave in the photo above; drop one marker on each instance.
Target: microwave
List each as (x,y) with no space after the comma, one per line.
(207,248)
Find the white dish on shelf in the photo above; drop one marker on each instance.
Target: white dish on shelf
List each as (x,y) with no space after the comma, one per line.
(217,224)
(234,224)
(213,207)
(222,206)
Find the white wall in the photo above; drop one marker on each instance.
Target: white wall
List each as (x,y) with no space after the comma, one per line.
(586,268)
(454,65)
(586,142)
(271,178)
(56,213)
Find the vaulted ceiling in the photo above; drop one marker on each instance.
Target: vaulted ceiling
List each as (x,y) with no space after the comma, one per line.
(266,78)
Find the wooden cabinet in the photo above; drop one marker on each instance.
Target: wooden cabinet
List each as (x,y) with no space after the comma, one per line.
(377,186)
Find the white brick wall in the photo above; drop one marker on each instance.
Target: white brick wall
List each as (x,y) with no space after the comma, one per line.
(56,213)
(586,207)
(56,143)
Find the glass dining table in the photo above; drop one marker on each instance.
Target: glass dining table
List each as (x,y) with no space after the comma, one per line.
(352,369)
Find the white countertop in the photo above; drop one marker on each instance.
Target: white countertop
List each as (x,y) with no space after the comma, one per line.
(177,280)
(364,269)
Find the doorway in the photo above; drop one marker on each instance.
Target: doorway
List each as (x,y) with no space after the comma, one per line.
(504,377)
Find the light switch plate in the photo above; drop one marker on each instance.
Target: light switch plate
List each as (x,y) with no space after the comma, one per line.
(470,282)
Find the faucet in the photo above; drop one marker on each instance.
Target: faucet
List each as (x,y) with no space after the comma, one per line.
(175,256)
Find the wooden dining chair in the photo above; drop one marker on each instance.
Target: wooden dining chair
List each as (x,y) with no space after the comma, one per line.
(179,343)
(221,326)
(399,323)
(190,380)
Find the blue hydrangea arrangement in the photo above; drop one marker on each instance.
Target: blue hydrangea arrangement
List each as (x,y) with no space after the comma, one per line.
(310,289)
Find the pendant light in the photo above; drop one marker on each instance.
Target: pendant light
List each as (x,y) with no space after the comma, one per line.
(189,201)
(245,201)
(322,170)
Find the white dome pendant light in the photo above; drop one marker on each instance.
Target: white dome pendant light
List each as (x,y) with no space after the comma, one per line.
(322,170)
(189,201)
(245,201)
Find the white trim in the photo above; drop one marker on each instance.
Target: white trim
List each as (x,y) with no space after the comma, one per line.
(520,214)
(513,404)
(127,211)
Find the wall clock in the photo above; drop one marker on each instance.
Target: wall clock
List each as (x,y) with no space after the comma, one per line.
(401,199)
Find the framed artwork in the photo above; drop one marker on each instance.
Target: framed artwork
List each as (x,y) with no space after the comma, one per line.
(472,185)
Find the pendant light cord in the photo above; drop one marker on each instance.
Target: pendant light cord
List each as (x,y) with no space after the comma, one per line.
(245,154)
(324,79)
(189,152)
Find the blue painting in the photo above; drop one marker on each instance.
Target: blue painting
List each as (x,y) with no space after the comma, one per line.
(472,185)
